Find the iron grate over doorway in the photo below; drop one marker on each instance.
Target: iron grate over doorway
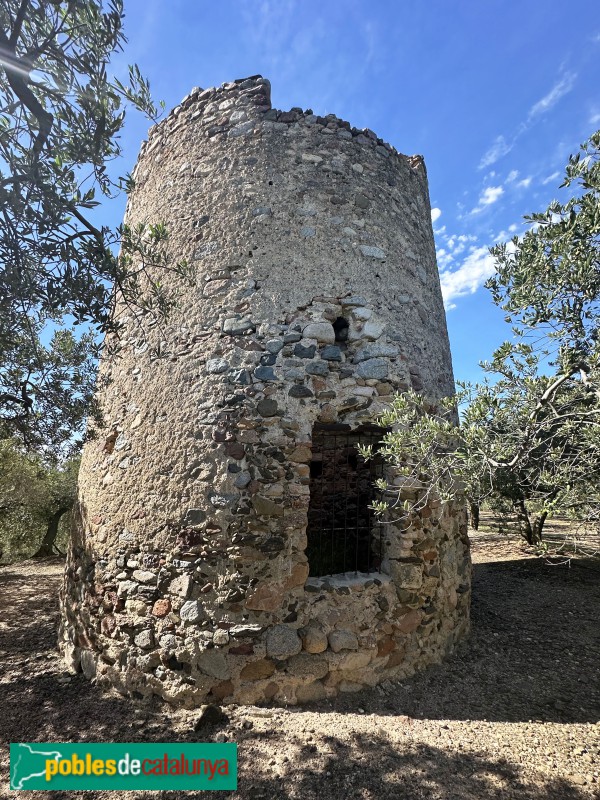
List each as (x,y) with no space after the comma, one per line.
(343,533)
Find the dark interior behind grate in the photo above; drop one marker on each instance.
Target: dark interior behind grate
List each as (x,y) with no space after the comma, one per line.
(344,534)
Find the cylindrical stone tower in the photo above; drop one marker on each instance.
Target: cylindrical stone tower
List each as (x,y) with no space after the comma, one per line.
(225,548)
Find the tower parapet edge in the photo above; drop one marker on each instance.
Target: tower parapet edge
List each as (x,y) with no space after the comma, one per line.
(193,572)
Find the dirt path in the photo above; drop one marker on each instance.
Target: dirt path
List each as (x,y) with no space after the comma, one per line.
(514,714)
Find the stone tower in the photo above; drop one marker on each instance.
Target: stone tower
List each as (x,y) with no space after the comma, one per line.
(225,548)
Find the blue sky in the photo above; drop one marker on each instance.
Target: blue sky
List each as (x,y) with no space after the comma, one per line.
(494,94)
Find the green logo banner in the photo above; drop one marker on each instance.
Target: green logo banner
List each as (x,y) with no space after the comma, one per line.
(122,766)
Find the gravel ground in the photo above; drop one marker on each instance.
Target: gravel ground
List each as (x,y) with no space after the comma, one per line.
(513,714)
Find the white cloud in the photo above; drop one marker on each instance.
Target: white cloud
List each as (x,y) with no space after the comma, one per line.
(455,244)
(489,196)
(595,117)
(436,213)
(444,259)
(451,247)
(499,148)
(512,175)
(477,267)
(551,178)
(524,183)
(560,89)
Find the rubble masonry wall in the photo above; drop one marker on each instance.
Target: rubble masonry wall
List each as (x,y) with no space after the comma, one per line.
(188,575)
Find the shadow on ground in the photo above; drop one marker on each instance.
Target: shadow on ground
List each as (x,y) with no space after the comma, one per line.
(369,768)
(532,655)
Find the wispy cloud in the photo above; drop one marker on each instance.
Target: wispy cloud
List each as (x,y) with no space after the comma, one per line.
(548,101)
(372,41)
(525,182)
(436,213)
(288,42)
(499,148)
(488,197)
(512,175)
(147,25)
(551,178)
(477,267)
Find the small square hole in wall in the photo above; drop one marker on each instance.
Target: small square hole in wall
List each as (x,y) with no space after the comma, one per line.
(341,327)
(343,533)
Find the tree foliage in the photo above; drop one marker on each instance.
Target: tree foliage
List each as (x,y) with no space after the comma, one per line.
(530,432)
(548,282)
(35,498)
(61,116)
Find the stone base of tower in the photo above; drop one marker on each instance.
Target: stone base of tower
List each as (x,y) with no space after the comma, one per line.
(141,635)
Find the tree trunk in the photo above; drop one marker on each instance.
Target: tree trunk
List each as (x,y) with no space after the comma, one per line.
(474,514)
(525,528)
(538,526)
(48,546)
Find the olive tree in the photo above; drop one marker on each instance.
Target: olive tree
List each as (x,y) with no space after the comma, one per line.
(62,112)
(529,433)
(35,500)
